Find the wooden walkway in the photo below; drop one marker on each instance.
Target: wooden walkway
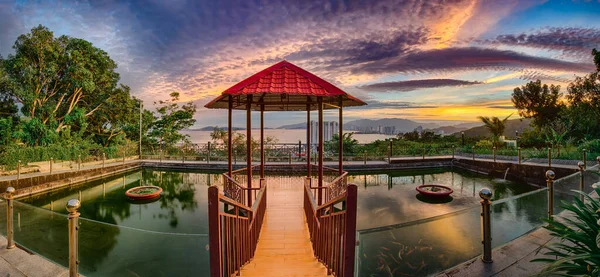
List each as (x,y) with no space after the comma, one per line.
(284,247)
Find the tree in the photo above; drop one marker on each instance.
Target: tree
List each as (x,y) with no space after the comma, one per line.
(172,119)
(9,118)
(537,101)
(66,84)
(584,103)
(495,125)
(349,142)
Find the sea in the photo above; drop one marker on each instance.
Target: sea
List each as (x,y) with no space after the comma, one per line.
(283,135)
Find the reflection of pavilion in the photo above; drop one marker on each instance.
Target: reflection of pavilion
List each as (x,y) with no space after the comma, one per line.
(283,87)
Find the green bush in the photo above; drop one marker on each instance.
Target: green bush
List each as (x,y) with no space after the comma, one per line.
(577,253)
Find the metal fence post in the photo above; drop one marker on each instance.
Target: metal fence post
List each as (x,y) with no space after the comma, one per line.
(390,152)
(208,153)
(18,170)
(78,162)
(290,157)
(72,206)
(123,156)
(550,183)
(365,156)
(9,217)
(51,162)
(494,149)
(423,153)
(182,155)
(519,154)
(453,150)
(103,159)
(584,158)
(473,151)
(486,196)
(549,157)
(160,155)
(581,166)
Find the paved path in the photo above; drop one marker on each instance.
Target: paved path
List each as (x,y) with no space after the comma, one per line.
(17,262)
(284,247)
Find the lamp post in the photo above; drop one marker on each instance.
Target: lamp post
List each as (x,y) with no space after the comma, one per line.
(550,183)
(462,134)
(581,179)
(517,139)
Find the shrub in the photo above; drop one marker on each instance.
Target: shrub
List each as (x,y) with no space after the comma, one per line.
(577,253)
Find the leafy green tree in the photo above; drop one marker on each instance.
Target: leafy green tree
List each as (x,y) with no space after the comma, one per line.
(349,147)
(172,119)
(411,136)
(495,125)
(583,96)
(66,84)
(539,102)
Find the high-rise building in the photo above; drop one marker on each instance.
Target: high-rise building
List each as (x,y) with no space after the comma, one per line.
(389,130)
(329,129)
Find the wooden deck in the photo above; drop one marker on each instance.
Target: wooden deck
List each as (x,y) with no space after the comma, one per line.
(284,247)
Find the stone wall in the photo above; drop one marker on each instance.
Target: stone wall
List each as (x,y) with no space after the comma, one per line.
(39,183)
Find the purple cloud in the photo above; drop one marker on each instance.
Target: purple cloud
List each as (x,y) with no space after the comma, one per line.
(467,58)
(417,84)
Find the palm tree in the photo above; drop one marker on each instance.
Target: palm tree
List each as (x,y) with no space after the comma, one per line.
(495,125)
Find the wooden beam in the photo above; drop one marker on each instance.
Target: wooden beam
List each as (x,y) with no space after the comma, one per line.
(262,141)
(249,148)
(307,152)
(320,147)
(229,137)
(341,141)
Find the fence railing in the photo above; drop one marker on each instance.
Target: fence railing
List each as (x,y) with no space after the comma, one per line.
(234,229)
(332,227)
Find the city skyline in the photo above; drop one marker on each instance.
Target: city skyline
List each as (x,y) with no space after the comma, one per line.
(427,61)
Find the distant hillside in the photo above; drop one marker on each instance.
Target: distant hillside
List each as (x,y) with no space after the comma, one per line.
(366,125)
(511,126)
(210,128)
(402,125)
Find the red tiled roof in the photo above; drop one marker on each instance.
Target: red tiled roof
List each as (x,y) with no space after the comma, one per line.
(289,79)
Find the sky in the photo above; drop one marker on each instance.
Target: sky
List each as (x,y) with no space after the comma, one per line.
(442,61)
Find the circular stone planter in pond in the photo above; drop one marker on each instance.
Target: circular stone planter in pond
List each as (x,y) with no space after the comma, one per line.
(144,193)
(434,191)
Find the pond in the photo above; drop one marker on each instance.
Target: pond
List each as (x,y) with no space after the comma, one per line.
(169,237)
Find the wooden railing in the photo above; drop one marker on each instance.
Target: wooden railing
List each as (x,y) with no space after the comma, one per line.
(234,229)
(332,226)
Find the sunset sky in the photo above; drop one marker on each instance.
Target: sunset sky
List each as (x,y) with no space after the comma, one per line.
(425,60)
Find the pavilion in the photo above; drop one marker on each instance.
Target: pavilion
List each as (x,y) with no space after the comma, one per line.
(235,222)
(283,87)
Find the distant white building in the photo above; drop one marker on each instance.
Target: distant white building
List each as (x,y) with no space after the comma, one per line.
(329,129)
(389,130)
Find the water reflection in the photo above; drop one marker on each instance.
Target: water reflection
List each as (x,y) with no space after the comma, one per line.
(391,198)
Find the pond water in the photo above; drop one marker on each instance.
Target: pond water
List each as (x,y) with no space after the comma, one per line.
(169,237)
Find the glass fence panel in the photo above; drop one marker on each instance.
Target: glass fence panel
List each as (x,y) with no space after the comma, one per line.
(111,250)
(420,248)
(515,216)
(41,231)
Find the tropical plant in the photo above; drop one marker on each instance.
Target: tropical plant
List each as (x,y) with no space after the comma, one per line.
(555,134)
(349,144)
(495,125)
(577,252)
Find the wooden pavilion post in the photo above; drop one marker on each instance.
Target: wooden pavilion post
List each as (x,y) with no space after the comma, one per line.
(262,141)
(308,166)
(320,147)
(229,137)
(249,147)
(341,142)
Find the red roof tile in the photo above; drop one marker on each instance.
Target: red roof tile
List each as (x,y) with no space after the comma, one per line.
(285,78)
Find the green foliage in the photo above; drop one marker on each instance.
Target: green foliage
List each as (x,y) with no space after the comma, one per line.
(65,83)
(484,144)
(577,253)
(537,101)
(172,119)
(495,125)
(532,138)
(349,144)
(590,145)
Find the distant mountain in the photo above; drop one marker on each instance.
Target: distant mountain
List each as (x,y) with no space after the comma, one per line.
(447,130)
(301,125)
(367,125)
(511,126)
(210,128)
